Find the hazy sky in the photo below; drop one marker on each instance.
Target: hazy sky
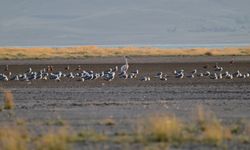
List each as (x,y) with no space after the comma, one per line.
(87,22)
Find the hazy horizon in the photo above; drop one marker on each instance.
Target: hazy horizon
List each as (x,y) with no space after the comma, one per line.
(117,22)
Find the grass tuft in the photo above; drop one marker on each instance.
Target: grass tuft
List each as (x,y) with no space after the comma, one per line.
(13,138)
(163,129)
(8,100)
(54,140)
(108,122)
(212,131)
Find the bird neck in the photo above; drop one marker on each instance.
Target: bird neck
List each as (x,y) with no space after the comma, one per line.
(126,60)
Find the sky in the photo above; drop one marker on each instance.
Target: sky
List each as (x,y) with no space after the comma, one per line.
(123,22)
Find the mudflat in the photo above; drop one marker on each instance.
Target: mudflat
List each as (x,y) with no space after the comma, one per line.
(83,105)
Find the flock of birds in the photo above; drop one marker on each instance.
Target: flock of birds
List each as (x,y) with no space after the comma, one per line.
(110,74)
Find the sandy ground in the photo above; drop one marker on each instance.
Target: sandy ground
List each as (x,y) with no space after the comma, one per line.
(84,104)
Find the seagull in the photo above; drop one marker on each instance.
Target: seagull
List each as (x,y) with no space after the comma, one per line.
(29,70)
(124,76)
(218,69)
(145,78)
(207,73)
(78,67)
(229,76)
(164,78)
(109,77)
(180,75)
(136,71)
(191,76)
(178,72)
(16,78)
(82,79)
(200,75)
(214,76)
(194,71)
(220,76)
(3,77)
(133,74)
(115,69)
(71,76)
(67,68)
(159,75)
(247,75)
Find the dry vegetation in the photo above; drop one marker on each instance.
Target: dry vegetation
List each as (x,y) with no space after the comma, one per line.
(93,51)
(54,140)
(158,131)
(108,122)
(8,99)
(205,129)
(153,132)
(13,138)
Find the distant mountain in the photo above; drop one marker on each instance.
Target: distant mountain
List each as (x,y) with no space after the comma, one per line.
(88,22)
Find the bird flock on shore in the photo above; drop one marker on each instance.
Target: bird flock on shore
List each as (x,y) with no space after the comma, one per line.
(122,73)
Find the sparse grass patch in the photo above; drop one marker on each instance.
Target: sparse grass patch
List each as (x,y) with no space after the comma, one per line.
(89,135)
(108,122)
(152,132)
(57,122)
(20,122)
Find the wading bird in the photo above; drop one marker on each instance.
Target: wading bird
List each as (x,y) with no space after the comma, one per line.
(124,68)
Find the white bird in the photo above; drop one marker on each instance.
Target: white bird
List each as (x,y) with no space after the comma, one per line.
(159,75)
(181,75)
(3,77)
(200,75)
(29,71)
(124,68)
(109,76)
(145,78)
(194,71)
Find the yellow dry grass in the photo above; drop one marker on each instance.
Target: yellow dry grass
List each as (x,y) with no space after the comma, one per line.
(13,138)
(108,122)
(54,140)
(215,133)
(94,51)
(157,130)
(8,100)
(212,130)
(161,129)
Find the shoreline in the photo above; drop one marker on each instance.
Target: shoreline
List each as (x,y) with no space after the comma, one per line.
(132,60)
(164,46)
(94,51)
